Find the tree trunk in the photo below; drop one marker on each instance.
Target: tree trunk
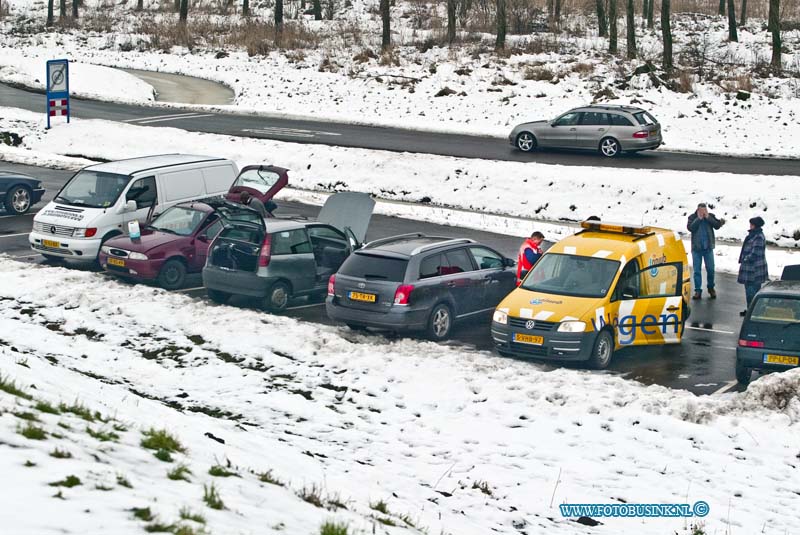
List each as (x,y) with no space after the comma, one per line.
(650,14)
(612,26)
(245,8)
(774,25)
(644,12)
(184,12)
(666,34)
(451,21)
(743,14)
(722,7)
(62,9)
(278,14)
(386,36)
(502,25)
(140,5)
(630,28)
(49,13)
(602,23)
(557,16)
(75,5)
(732,35)
(317,5)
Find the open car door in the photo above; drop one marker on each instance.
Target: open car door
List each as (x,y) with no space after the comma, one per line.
(261,181)
(348,211)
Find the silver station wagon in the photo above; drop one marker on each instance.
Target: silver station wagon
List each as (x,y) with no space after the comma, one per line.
(611,130)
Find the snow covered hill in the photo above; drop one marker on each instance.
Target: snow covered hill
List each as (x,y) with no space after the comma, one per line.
(126,408)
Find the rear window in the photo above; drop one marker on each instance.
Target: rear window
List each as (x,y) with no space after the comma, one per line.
(645,118)
(619,120)
(776,309)
(374,267)
(241,233)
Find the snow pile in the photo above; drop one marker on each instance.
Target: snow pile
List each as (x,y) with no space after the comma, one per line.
(451,441)
(340,81)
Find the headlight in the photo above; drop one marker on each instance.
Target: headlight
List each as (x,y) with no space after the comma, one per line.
(500,317)
(572,327)
(137,256)
(106,249)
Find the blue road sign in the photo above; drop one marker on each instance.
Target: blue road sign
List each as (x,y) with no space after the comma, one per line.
(57,89)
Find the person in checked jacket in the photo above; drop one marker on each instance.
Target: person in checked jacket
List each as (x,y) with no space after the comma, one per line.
(753,261)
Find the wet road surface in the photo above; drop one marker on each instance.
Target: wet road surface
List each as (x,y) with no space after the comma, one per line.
(703,363)
(185,89)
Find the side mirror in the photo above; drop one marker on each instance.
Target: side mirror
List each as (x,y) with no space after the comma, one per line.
(553,124)
(202,238)
(509,262)
(129,206)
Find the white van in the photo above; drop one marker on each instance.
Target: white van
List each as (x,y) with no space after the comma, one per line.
(99,201)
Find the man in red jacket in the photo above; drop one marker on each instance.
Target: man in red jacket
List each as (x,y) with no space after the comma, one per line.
(529,253)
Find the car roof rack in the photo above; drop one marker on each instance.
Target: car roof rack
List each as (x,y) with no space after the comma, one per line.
(390,239)
(423,248)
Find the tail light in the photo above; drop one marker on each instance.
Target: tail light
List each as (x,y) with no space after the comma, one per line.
(403,294)
(331,284)
(266,251)
(751,343)
(640,135)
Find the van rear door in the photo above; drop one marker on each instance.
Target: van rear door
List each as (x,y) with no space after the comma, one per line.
(348,210)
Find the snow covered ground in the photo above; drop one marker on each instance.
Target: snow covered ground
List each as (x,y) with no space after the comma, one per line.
(505,197)
(344,79)
(452,441)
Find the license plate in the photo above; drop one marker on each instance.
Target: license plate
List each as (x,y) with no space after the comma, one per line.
(653,133)
(781,359)
(360,296)
(116,262)
(51,243)
(528,339)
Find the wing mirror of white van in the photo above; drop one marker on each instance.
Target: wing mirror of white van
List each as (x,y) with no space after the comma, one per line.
(129,206)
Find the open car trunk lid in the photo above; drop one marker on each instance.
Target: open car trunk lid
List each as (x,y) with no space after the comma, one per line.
(348,210)
(261,181)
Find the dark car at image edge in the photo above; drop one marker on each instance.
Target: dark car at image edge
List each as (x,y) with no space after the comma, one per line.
(19,192)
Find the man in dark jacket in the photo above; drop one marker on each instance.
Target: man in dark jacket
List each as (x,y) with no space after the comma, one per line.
(753,270)
(702,225)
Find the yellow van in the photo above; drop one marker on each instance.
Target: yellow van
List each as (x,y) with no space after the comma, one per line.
(608,286)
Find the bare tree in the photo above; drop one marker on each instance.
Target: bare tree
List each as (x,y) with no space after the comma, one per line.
(602,23)
(139,5)
(386,37)
(245,8)
(278,15)
(743,14)
(317,7)
(451,21)
(184,11)
(49,13)
(75,4)
(502,25)
(722,7)
(774,25)
(62,9)
(612,26)
(732,35)
(666,34)
(650,14)
(630,28)
(644,12)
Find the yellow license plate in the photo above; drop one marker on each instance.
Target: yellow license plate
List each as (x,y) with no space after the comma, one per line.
(116,262)
(782,359)
(359,296)
(51,243)
(528,339)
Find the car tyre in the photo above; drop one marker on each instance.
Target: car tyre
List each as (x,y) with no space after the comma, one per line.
(440,323)
(602,351)
(278,296)
(526,142)
(743,374)
(610,147)
(52,258)
(218,297)
(172,275)
(18,200)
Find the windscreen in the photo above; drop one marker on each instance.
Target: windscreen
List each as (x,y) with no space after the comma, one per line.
(579,276)
(258,179)
(179,220)
(374,267)
(93,188)
(776,309)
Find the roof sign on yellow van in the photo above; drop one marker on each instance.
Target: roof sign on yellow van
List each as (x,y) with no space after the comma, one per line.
(601,226)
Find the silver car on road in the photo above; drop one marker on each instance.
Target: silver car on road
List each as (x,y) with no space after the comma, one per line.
(611,130)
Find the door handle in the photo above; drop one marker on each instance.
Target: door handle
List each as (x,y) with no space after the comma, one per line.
(601,129)
(451,284)
(673,308)
(572,129)
(488,279)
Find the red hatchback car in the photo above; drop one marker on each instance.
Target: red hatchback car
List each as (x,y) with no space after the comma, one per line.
(176,242)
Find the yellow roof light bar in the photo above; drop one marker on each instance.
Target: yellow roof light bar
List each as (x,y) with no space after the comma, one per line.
(621,228)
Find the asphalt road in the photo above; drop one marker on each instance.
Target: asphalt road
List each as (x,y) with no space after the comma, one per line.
(392,139)
(703,363)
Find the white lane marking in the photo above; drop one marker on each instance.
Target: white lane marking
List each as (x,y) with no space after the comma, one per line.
(286,131)
(176,118)
(305,306)
(721,390)
(136,119)
(191,289)
(14,235)
(709,330)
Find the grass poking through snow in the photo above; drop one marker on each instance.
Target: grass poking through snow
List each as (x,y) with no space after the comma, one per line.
(220,471)
(122,481)
(33,432)
(142,513)
(161,440)
(82,411)
(179,473)
(267,477)
(8,386)
(188,514)
(212,498)
(69,482)
(333,528)
(102,436)
(60,454)
(43,406)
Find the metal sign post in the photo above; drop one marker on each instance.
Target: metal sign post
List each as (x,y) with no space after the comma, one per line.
(57,89)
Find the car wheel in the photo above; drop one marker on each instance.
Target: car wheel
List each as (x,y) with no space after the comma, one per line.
(51,258)
(743,374)
(526,142)
(218,297)
(172,275)
(440,323)
(609,147)
(355,327)
(18,200)
(602,351)
(278,297)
